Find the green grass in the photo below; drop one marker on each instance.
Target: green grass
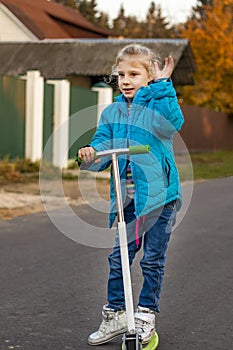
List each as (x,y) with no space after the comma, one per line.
(191,167)
(206,165)
(17,170)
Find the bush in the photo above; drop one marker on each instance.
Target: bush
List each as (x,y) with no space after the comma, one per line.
(15,170)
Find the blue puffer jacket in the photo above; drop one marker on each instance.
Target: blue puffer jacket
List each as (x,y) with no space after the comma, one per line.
(154,118)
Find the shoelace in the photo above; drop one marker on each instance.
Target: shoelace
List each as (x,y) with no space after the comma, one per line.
(104,324)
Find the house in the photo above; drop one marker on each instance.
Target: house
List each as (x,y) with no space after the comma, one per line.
(48,55)
(50,76)
(27,20)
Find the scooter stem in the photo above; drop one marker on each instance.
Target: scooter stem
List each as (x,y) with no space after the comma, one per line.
(123,248)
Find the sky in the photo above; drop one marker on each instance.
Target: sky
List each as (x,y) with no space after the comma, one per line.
(175,10)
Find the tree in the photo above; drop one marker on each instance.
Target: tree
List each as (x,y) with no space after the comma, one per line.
(211,41)
(120,22)
(128,27)
(199,10)
(156,25)
(133,29)
(88,9)
(71,3)
(151,20)
(102,20)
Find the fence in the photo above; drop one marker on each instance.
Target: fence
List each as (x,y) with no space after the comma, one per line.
(82,118)
(206,130)
(32,110)
(12,116)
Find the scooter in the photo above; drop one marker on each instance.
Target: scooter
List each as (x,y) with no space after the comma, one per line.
(131,340)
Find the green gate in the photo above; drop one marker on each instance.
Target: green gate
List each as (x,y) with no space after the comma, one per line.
(83,118)
(12,117)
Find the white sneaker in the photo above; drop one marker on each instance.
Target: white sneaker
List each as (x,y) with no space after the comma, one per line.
(113,324)
(145,323)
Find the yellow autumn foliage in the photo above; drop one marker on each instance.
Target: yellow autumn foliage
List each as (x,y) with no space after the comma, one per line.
(212,43)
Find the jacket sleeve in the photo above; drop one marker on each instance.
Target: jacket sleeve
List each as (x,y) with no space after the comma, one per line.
(168,116)
(102,140)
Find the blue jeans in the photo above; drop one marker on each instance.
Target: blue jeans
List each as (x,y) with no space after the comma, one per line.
(157,228)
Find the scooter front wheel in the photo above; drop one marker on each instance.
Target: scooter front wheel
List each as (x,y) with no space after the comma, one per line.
(153,344)
(131,342)
(135,344)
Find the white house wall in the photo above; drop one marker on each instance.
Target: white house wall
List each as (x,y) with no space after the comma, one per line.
(11,29)
(105,97)
(61,122)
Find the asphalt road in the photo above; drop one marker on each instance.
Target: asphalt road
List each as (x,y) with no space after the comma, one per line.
(52,289)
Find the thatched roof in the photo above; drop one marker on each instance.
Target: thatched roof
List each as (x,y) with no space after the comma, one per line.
(89,57)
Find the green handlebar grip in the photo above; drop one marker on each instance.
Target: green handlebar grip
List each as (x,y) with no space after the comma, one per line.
(79,160)
(139,149)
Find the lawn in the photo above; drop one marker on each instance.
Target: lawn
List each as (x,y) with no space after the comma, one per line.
(205,165)
(194,166)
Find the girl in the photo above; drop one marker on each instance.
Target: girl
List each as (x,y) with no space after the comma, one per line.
(146,112)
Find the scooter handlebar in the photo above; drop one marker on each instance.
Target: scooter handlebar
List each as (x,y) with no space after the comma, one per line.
(132,150)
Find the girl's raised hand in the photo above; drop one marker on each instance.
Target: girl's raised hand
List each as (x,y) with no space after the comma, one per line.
(167,70)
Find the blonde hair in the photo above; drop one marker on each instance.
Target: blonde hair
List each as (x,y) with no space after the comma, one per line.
(147,57)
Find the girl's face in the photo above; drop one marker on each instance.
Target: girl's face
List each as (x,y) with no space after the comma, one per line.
(131,76)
